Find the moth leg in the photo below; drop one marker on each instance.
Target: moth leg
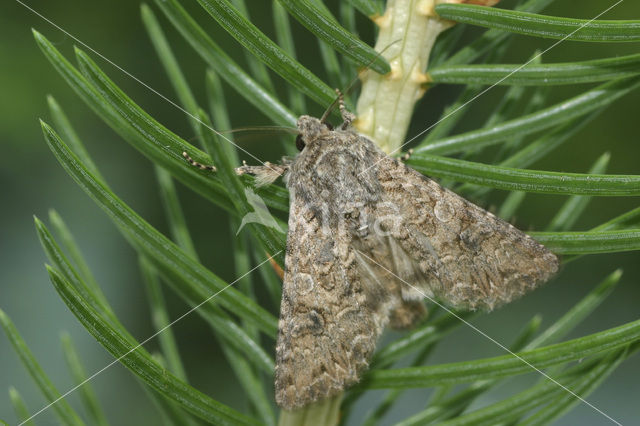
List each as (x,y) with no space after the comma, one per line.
(347,116)
(194,163)
(407,155)
(264,174)
(407,314)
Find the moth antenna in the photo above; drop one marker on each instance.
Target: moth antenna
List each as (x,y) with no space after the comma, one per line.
(323,119)
(194,163)
(273,129)
(352,84)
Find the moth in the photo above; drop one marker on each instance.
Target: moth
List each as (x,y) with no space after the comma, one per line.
(369,238)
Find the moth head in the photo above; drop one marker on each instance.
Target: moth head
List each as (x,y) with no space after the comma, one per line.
(310,129)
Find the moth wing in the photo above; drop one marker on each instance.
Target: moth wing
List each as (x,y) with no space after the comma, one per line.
(448,248)
(330,317)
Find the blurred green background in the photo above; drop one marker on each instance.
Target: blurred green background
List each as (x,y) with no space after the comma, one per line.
(32,183)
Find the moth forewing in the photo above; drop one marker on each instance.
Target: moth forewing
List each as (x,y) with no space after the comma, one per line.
(368,237)
(467,257)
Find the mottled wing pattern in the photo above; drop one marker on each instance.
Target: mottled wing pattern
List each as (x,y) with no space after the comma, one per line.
(330,318)
(369,238)
(448,248)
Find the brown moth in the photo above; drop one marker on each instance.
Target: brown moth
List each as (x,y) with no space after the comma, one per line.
(368,239)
